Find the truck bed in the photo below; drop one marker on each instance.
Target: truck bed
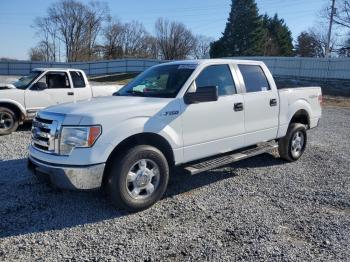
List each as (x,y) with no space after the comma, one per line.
(299,97)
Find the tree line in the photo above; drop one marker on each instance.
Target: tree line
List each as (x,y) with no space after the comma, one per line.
(86,32)
(247,33)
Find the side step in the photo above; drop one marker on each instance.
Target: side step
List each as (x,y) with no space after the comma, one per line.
(212,163)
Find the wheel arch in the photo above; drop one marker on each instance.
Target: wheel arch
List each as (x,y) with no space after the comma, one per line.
(301,116)
(151,139)
(17,108)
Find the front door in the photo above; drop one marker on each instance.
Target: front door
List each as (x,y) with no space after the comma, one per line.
(58,90)
(212,128)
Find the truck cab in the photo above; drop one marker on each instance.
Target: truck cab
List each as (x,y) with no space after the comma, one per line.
(42,88)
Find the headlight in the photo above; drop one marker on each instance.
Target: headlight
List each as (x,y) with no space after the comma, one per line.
(72,137)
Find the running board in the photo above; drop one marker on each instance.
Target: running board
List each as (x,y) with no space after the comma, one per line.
(213,163)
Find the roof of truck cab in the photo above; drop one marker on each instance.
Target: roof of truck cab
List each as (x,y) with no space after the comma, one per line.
(56,69)
(212,61)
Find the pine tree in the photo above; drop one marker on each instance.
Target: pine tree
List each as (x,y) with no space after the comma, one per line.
(278,39)
(244,32)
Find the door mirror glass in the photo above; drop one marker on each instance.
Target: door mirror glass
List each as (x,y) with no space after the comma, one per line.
(203,94)
(39,86)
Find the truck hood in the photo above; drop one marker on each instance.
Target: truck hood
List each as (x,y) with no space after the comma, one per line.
(6,93)
(6,86)
(118,108)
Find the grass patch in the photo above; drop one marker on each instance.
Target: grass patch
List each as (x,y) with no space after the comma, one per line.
(336,101)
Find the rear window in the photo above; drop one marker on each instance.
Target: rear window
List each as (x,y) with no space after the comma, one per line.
(254,78)
(78,79)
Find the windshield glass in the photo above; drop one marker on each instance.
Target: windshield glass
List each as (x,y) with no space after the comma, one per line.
(25,81)
(161,81)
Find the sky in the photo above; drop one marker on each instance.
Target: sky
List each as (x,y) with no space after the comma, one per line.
(205,17)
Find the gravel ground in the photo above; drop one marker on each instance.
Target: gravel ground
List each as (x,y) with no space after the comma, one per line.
(258,209)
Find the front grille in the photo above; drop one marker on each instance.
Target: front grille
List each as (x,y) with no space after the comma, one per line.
(44,134)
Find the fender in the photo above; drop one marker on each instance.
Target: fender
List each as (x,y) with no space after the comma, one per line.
(16,104)
(300,104)
(140,125)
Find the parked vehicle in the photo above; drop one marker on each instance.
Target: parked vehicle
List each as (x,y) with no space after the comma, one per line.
(44,87)
(197,115)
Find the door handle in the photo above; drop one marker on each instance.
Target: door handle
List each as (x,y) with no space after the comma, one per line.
(273,102)
(70,93)
(238,107)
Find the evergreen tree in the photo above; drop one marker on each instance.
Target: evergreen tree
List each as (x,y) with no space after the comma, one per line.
(278,39)
(244,33)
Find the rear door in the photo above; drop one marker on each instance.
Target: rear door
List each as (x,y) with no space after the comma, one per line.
(212,128)
(261,109)
(58,91)
(82,90)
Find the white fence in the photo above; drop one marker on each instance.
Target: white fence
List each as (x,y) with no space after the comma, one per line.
(321,68)
(90,68)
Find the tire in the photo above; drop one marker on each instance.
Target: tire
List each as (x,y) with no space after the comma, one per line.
(288,147)
(129,178)
(8,121)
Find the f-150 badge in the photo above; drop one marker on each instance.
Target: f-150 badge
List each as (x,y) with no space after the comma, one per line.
(170,113)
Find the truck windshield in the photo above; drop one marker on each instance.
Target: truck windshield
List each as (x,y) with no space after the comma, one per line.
(160,81)
(25,81)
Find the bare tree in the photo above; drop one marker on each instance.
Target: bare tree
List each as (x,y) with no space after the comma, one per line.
(96,14)
(113,39)
(47,30)
(128,40)
(76,25)
(320,35)
(202,46)
(175,41)
(133,38)
(44,51)
(151,49)
(342,16)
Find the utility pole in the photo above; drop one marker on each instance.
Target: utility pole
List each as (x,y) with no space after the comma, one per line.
(333,10)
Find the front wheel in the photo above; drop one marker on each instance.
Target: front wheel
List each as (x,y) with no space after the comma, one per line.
(8,121)
(138,179)
(292,146)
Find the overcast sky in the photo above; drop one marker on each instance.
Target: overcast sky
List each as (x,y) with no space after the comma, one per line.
(206,17)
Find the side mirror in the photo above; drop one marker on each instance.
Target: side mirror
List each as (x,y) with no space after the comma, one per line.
(203,94)
(39,86)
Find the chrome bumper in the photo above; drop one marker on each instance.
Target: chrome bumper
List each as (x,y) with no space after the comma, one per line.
(68,177)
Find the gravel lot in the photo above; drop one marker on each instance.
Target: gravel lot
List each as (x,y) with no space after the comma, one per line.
(258,209)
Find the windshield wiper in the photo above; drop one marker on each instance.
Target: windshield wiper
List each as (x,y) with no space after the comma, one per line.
(135,92)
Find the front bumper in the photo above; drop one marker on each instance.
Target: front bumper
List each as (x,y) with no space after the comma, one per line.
(68,177)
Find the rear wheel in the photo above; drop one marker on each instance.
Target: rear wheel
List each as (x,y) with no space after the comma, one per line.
(292,146)
(8,121)
(138,179)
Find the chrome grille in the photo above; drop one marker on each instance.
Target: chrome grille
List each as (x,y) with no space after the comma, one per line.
(44,133)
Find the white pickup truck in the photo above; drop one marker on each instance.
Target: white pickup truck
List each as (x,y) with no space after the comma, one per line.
(197,115)
(44,87)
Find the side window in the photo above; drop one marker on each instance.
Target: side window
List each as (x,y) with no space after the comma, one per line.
(55,80)
(217,75)
(254,78)
(78,79)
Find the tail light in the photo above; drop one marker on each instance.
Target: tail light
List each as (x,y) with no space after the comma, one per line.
(320,99)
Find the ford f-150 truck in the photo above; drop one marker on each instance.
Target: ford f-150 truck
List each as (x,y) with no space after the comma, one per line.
(44,87)
(197,115)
